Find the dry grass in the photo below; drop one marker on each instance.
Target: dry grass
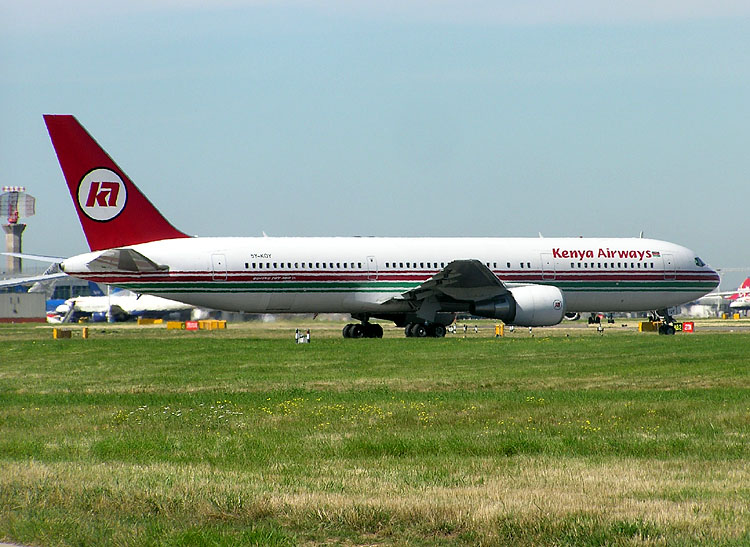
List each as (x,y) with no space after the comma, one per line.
(660,495)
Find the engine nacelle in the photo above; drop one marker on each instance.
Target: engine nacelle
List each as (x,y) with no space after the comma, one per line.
(528,306)
(503,308)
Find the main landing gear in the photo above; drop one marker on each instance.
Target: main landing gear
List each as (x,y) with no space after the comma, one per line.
(363,330)
(413,325)
(420,330)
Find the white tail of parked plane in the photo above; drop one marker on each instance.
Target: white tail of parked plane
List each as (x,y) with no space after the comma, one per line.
(418,283)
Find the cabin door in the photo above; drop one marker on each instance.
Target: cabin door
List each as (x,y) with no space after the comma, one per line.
(669,271)
(548,266)
(219,266)
(372,268)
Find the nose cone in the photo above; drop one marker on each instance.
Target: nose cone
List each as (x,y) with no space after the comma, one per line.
(714,277)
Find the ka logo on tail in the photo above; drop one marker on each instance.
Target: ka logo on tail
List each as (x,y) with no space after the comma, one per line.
(102,195)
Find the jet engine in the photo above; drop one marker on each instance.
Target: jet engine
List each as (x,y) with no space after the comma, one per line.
(572,316)
(527,306)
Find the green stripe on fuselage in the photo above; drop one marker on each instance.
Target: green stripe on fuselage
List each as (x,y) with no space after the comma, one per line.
(398,287)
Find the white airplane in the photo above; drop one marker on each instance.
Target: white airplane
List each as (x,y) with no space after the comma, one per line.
(418,283)
(739,299)
(119,306)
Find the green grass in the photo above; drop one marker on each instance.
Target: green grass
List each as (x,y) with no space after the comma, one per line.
(143,436)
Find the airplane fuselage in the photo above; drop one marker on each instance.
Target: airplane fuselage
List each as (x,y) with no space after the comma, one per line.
(368,274)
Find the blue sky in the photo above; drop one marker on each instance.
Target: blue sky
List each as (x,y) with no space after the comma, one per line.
(405,118)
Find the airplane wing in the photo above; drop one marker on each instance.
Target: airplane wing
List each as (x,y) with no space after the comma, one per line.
(727,295)
(26,280)
(463,280)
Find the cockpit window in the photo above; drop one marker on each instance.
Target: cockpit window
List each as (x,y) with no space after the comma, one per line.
(699,262)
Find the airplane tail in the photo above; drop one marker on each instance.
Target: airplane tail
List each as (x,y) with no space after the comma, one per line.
(94,289)
(742,291)
(112,211)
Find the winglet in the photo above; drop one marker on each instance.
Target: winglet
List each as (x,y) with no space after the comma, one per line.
(112,211)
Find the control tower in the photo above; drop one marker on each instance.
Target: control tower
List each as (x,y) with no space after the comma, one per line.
(15,203)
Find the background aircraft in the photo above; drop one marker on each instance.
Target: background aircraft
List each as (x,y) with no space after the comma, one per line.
(739,299)
(121,305)
(117,305)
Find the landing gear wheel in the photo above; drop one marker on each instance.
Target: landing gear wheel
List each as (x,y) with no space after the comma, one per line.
(347,331)
(357,331)
(373,330)
(666,329)
(418,330)
(407,330)
(438,331)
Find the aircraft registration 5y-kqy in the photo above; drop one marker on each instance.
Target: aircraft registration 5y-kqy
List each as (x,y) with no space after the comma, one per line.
(418,283)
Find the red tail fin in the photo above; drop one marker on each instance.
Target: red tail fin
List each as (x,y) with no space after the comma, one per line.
(745,283)
(112,211)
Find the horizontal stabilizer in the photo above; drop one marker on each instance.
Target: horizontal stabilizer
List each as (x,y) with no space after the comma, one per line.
(40,258)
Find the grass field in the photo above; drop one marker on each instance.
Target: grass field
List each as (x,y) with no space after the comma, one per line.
(139,436)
